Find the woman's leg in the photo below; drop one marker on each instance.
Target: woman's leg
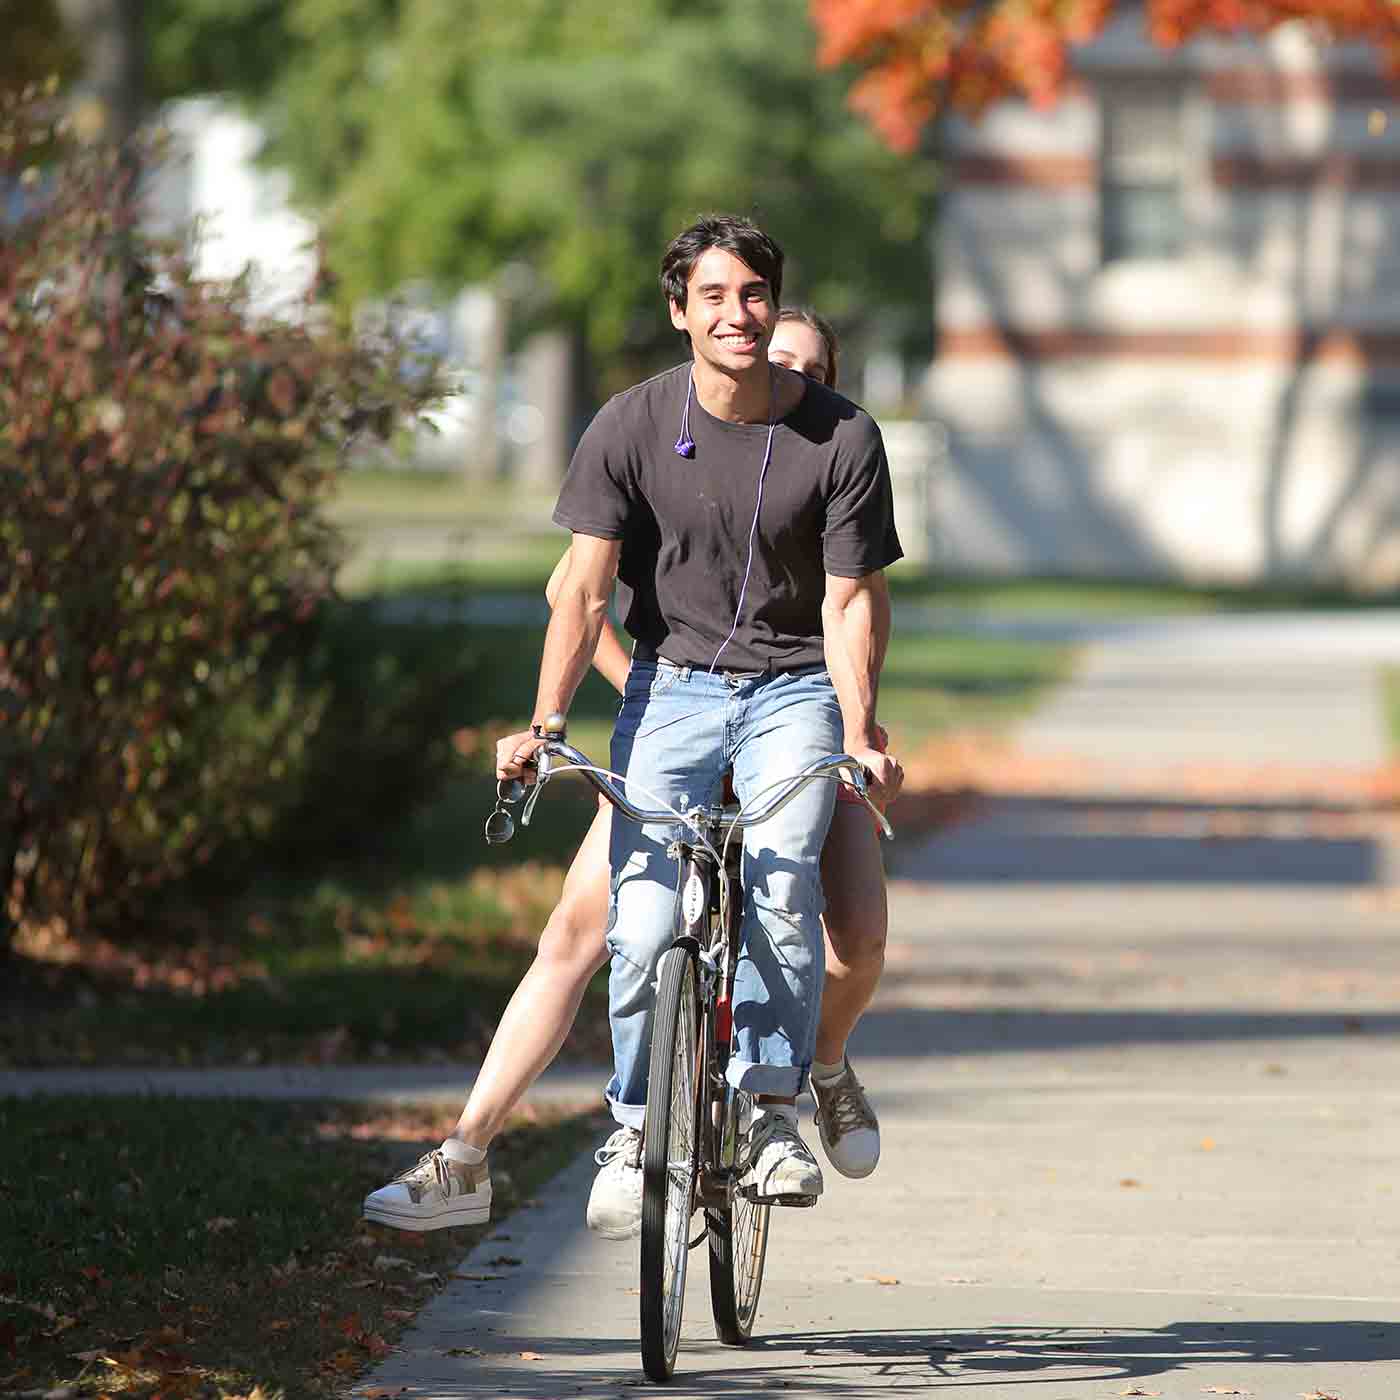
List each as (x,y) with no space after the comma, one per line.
(542,1008)
(857,920)
(451,1185)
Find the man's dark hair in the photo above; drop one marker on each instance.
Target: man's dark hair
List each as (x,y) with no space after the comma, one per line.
(733,234)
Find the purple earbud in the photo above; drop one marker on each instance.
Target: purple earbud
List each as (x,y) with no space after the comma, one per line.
(685,444)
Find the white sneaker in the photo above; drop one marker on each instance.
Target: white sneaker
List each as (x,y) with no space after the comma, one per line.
(436,1193)
(782,1169)
(615,1203)
(850,1132)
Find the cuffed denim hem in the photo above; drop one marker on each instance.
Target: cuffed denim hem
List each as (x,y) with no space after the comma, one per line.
(628,1115)
(784,1081)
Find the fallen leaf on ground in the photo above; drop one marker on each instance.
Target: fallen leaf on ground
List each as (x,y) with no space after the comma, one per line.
(1321,1395)
(531,1356)
(1130,1181)
(464,1351)
(1207,1144)
(380,1392)
(1138,1390)
(885,1279)
(1223,1390)
(384,1262)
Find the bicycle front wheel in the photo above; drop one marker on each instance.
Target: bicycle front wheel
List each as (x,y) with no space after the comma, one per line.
(669,1161)
(738,1247)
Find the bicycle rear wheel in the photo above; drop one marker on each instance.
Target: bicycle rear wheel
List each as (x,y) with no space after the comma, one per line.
(738,1248)
(669,1161)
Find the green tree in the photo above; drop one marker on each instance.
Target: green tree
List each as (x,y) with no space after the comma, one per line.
(448,139)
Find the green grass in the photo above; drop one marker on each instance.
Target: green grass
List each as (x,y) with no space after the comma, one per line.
(481,563)
(1113,597)
(932,685)
(202,1248)
(367,496)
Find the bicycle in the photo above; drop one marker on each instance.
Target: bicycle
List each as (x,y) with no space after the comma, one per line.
(695,1124)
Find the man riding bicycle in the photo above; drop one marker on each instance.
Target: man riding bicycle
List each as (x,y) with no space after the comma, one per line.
(752,544)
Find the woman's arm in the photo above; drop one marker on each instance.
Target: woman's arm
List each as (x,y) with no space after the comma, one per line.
(611,658)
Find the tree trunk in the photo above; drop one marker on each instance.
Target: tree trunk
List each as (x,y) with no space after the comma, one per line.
(112,91)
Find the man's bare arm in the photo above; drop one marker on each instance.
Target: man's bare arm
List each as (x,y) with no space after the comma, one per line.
(612,659)
(856,633)
(575,624)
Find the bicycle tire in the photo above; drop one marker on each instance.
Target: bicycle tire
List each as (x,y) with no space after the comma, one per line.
(738,1238)
(669,1161)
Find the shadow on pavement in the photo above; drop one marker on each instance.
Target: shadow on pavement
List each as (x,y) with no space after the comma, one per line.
(870,1363)
(944,1031)
(1131,840)
(1110,1353)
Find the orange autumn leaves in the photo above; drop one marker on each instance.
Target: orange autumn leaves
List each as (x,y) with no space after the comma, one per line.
(923,57)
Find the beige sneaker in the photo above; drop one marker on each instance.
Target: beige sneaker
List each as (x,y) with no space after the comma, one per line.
(436,1193)
(850,1132)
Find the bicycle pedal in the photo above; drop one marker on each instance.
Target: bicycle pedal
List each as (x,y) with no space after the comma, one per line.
(752,1195)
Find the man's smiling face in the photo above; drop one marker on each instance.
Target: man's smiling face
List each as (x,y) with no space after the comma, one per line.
(728,313)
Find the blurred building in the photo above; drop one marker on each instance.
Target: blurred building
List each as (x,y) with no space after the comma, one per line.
(1169,321)
(210,181)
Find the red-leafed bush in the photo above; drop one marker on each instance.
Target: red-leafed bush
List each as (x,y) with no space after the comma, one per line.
(165,456)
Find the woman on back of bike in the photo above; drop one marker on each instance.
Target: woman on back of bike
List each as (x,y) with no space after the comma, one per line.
(451,1185)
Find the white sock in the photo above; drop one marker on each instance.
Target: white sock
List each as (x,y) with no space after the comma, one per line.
(825,1072)
(456,1150)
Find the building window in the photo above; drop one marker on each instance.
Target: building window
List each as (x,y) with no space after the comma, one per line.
(1140,173)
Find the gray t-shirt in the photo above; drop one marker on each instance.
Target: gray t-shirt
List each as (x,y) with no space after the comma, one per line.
(685,523)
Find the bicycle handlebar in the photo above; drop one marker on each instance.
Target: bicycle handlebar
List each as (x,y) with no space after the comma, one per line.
(832,766)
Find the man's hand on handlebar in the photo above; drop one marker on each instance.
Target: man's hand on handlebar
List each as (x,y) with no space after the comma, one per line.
(513,752)
(886,776)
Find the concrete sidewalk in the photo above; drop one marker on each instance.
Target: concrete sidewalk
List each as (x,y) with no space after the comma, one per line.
(1138,1091)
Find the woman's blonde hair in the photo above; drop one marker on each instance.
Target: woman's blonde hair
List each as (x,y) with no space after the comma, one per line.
(807,317)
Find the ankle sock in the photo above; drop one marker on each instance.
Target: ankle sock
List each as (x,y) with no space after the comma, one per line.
(457,1151)
(826,1072)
